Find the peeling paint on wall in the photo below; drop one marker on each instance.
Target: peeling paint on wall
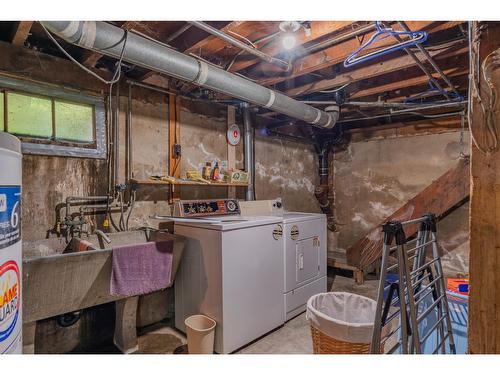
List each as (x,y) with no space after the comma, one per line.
(373,179)
(288,170)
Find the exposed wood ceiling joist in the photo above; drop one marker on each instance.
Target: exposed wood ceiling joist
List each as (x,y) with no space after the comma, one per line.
(338,53)
(318,29)
(399,63)
(21,32)
(390,78)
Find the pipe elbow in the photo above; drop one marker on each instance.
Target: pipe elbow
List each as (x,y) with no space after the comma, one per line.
(334,114)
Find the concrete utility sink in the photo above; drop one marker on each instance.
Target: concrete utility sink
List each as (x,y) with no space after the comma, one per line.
(58,280)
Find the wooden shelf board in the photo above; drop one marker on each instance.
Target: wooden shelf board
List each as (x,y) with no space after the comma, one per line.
(185,183)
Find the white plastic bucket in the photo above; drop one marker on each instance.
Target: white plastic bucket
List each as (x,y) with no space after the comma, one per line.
(200,330)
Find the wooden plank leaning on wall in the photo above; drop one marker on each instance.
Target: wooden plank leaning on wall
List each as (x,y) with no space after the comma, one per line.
(174,136)
(484,302)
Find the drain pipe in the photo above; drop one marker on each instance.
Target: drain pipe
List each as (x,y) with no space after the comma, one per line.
(128,143)
(108,40)
(321,192)
(248,137)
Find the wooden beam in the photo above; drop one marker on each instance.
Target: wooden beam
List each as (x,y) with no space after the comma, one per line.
(484,299)
(174,135)
(349,76)
(402,84)
(255,30)
(319,29)
(212,44)
(21,62)
(405,128)
(338,53)
(439,197)
(21,32)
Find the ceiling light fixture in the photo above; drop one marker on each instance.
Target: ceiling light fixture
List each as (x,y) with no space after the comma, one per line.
(289,28)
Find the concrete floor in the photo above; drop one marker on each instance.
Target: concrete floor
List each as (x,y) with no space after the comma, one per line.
(292,338)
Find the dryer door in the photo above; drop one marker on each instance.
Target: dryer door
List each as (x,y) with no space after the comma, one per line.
(307,259)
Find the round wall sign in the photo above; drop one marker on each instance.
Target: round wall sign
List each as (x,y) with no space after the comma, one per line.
(233,135)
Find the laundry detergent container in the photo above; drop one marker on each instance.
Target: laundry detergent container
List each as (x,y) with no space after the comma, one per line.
(341,323)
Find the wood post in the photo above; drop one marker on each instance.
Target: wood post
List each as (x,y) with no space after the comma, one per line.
(484,299)
(174,135)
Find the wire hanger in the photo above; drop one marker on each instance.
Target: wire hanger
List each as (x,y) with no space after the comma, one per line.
(382,33)
(420,98)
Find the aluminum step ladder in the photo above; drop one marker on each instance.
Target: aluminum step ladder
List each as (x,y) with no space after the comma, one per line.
(412,311)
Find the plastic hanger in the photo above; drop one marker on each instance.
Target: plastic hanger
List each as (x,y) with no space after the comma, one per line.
(382,33)
(433,90)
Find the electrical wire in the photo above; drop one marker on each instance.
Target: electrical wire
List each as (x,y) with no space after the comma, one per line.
(122,210)
(245,39)
(115,78)
(475,67)
(116,75)
(263,39)
(335,90)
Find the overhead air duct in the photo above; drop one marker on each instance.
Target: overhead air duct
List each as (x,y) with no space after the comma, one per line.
(110,40)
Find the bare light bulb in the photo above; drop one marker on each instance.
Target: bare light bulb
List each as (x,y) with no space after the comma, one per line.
(288,41)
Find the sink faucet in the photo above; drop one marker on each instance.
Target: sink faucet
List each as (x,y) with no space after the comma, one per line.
(102,236)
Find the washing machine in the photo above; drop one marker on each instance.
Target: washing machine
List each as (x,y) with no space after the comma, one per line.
(232,270)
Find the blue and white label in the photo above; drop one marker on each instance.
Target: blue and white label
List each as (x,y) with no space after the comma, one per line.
(10,215)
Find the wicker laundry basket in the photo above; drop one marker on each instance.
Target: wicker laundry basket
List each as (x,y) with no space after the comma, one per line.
(341,323)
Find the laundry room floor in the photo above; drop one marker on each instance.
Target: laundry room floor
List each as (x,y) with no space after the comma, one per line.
(294,337)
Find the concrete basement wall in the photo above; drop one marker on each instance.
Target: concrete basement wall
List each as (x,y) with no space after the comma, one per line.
(285,169)
(288,170)
(374,178)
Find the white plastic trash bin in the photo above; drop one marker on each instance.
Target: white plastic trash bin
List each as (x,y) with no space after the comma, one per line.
(341,322)
(200,331)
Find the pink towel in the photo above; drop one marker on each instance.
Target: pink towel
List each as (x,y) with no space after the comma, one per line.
(141,268)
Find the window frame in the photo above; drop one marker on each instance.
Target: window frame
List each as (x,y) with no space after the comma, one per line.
(54,146)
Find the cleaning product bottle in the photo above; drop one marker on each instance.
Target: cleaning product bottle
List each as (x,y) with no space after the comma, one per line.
(215,172)
(207,170)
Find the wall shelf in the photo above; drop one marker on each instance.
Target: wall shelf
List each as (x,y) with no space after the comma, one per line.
(134,181)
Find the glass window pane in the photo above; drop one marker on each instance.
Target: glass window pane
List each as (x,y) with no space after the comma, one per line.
(74,122)
(29,115)
(1,112)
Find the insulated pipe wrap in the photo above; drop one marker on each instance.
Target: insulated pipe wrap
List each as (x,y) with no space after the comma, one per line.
(108,40)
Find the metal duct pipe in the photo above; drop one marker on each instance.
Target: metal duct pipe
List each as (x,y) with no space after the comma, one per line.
(109,40)
(235,42)
(248,136)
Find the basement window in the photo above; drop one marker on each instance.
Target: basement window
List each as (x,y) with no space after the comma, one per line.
(51,120)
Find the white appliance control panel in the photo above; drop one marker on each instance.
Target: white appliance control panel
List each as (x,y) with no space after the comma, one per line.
(206,207)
